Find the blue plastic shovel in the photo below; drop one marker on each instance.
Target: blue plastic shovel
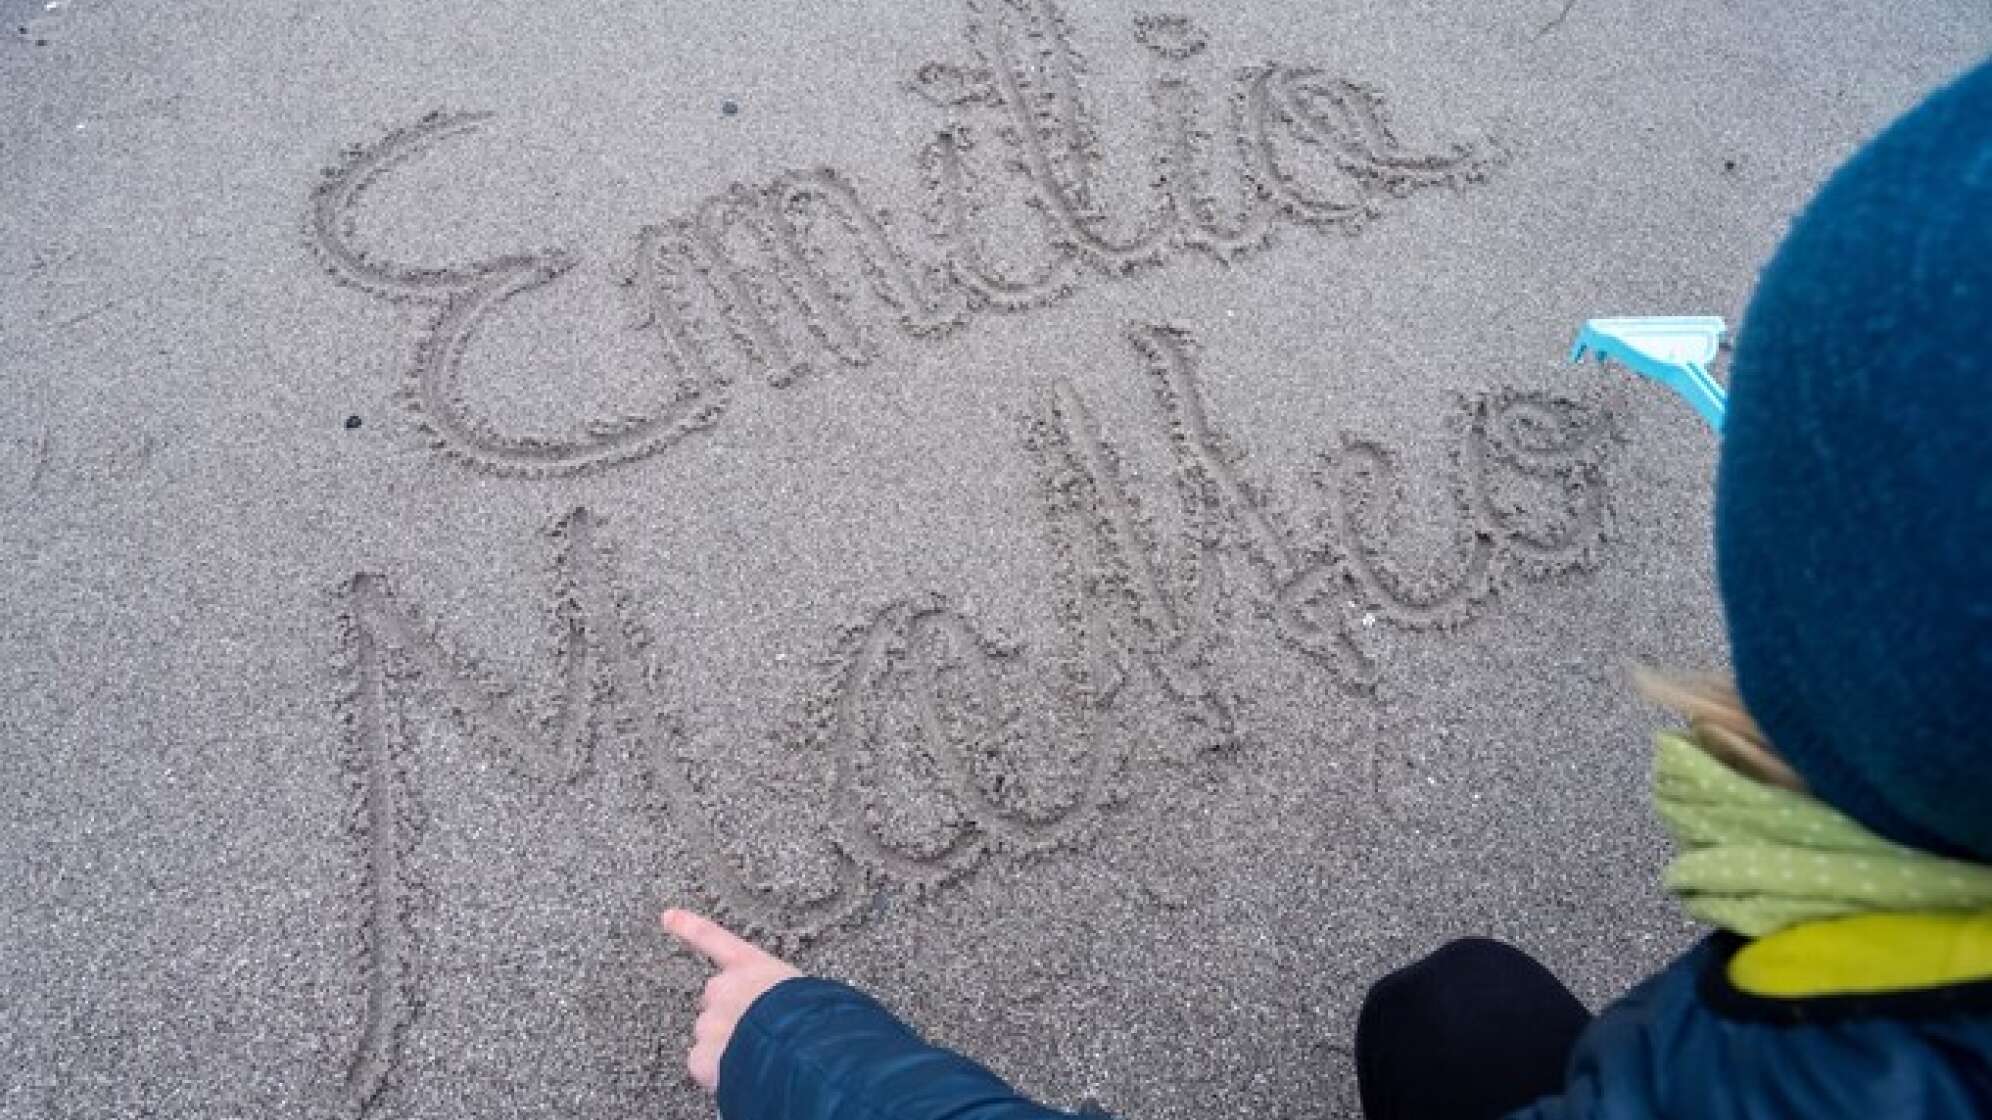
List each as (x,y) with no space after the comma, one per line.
(1673,350)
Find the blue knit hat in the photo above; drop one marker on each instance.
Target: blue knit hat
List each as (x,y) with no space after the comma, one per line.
(1853,517)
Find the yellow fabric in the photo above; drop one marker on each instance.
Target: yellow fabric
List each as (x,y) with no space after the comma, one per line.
(1867,954)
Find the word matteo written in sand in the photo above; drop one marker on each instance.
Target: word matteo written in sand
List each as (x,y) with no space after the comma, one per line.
(800,275)
(941,745)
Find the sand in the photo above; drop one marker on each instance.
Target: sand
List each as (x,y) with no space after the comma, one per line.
(1075,522)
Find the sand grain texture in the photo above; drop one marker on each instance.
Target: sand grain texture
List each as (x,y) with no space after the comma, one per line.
(1071,519)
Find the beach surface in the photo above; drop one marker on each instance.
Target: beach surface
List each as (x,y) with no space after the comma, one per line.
(1075,520)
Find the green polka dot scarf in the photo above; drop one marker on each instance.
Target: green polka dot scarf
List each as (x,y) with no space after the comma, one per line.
(1756,859)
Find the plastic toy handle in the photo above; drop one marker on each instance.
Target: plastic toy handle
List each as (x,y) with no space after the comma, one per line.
(1705,394)
(1672,350)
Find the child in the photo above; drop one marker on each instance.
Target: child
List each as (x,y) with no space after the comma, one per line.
(1833,809)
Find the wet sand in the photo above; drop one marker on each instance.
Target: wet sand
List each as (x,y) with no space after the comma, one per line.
(1076,521)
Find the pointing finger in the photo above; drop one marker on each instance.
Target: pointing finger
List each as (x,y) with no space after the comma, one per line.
(708,939)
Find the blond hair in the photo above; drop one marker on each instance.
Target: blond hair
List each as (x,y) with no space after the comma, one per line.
(1720,724)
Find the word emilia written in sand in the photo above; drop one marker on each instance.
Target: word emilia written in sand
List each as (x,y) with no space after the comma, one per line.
(945,745)
(800,275)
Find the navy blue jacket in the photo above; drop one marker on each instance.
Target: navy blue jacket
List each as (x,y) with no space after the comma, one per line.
(1687,1043)
(1682,1044)
(813,1049)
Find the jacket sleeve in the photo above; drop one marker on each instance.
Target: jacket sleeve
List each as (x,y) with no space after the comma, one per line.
(812,1049)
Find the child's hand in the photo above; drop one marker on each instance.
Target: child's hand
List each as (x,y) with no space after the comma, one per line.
(745,971)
